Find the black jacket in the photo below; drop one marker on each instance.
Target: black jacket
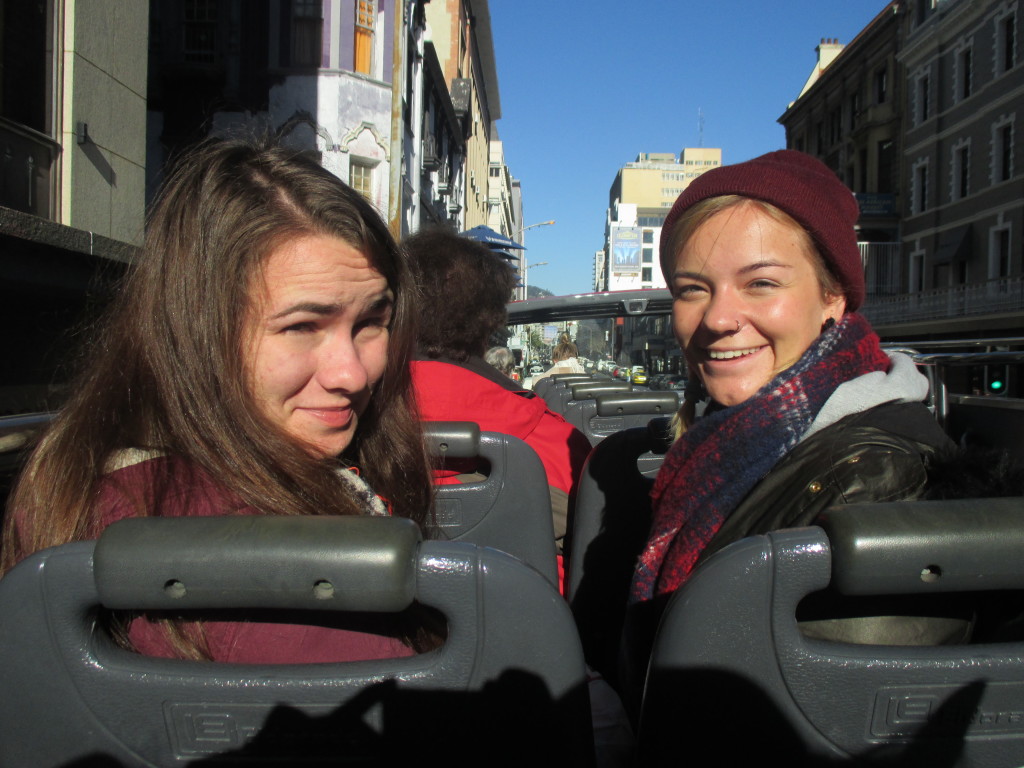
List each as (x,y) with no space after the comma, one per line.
(877,455)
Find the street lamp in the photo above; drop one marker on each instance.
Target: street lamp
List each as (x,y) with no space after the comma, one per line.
(538,224)
(526,271)
(523,265)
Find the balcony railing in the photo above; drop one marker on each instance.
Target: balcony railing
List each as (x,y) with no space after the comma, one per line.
(26,168)
(1005,294)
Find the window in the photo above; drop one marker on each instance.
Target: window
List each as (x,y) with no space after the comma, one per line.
(1006,42)
(648,255)
(1002,152)
(366,18)
(648,236)
(922,108)
(25,84)
(854,109)
(883,167)
(307,33)
(835,125)
(961,171)
(920,190)
(495,172)
(917,272)
(360,178)
(1003,252)
(921,11)
(999,252)
(200,32)
(964,73)
(645,275)
(881,85)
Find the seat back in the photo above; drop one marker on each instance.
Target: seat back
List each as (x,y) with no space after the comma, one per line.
(559,383)
(730,635)
(611,412)
(510,510)
(587,390)
(611,521)
(72,696)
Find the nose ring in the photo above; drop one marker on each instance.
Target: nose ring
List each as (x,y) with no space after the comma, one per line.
(737,326)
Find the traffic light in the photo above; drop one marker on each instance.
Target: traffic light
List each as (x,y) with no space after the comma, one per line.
(996,379)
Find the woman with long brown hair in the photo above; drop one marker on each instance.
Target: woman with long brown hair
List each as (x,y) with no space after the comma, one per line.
(255,362)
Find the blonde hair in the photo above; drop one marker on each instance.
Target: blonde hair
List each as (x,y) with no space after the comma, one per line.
(698,213)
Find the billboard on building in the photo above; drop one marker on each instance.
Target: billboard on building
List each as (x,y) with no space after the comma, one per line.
(625,250)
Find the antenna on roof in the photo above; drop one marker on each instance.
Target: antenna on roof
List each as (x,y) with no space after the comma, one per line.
(700,126)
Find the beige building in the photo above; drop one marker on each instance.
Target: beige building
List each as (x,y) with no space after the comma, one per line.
(638,201)
(461,33)
(73,113)
(72,196)
(501,210)
(100,116)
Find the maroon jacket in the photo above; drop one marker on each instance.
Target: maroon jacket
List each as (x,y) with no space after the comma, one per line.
(183,490)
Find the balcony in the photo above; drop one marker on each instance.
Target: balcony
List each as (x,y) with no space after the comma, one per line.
(26,168)
(1003,295)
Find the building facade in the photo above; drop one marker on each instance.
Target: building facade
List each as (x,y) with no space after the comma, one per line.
(72,184)
(963,226)
(396,98)
(639,199)
(461,33)
(918,116)
(96,97)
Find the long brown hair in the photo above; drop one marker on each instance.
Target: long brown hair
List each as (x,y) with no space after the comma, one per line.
(167,372)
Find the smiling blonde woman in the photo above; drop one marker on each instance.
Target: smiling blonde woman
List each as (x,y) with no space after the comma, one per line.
(805,409)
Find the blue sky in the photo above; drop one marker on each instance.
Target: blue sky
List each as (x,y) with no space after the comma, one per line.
(586,86)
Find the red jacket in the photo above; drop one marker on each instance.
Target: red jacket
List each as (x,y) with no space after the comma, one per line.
(474,391)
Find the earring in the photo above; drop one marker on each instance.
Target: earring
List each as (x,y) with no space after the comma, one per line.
(828,324)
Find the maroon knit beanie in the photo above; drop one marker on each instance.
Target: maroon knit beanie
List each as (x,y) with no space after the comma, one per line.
(803,187)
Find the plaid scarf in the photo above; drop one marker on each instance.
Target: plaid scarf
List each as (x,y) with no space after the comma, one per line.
(712,467)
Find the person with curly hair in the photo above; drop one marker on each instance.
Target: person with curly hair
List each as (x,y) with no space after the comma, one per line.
(464,288)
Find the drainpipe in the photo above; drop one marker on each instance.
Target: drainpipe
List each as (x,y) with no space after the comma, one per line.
(397,129)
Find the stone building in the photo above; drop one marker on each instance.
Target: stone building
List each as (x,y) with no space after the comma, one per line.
(917,115)
(963,222)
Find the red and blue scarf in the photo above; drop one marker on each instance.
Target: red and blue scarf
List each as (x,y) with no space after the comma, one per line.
(716,463)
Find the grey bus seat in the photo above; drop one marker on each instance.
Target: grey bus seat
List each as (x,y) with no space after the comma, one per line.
(610,524)
(552,394)
(510,509)
(730,635)
(613,412)
(548,381)
(498,683)
(588,390)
